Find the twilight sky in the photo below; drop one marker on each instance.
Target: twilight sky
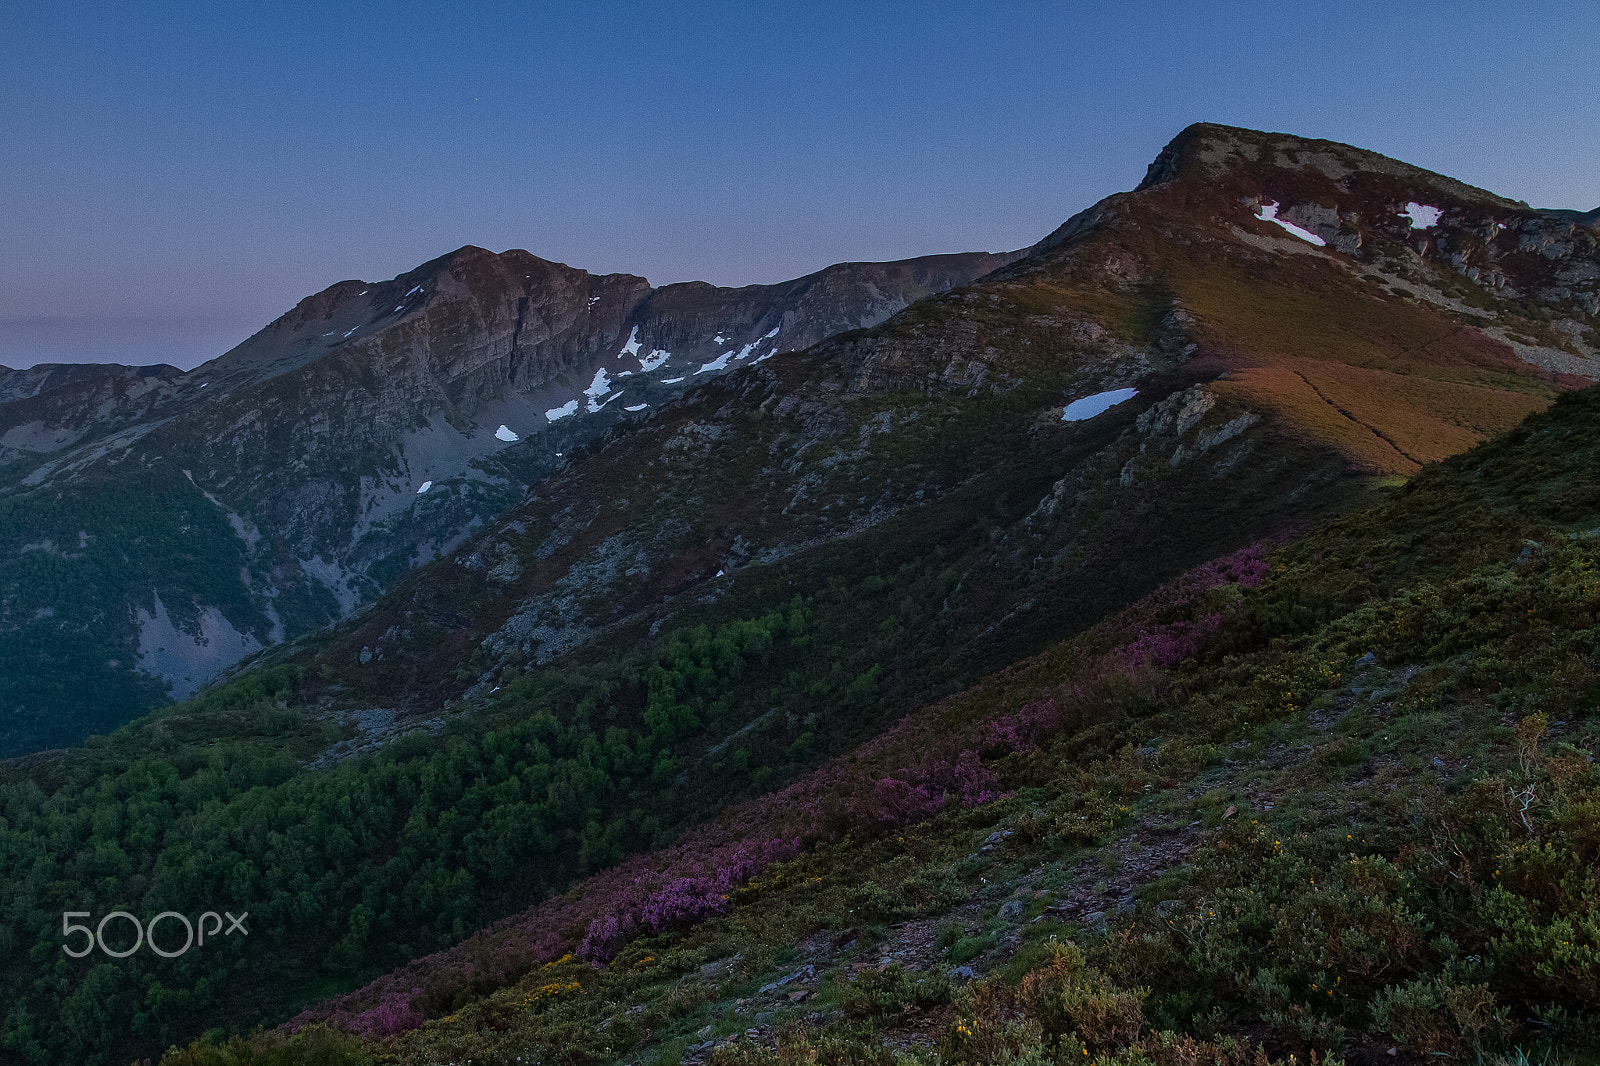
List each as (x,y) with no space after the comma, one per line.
(175,175)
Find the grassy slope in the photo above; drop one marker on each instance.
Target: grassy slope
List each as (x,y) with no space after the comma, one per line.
(1367,808)
(208,801)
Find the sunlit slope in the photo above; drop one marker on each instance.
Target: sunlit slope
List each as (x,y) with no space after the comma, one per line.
(1395,345)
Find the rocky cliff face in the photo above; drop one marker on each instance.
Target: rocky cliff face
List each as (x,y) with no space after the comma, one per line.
(198,517)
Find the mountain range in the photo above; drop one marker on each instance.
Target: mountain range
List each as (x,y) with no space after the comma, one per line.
(580,618)
(157,526)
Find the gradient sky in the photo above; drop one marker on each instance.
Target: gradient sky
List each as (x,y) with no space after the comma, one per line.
(175,175)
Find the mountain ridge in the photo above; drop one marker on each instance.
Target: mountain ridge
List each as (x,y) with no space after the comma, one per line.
(356,435)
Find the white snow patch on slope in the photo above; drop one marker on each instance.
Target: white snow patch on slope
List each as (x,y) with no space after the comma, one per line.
(1269,213)
(424,487)
(632,347)
(1089,406)
(770,334)
(719,363)
(670,381)
(568,408)
(637,407)
(653,361)
(1421,215)
(506,433)
(599,386)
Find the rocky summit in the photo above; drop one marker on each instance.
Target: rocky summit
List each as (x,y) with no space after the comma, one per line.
(1169,643)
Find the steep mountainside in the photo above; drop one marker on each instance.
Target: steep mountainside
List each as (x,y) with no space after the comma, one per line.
(1329,802)
(764,575)
(166,524)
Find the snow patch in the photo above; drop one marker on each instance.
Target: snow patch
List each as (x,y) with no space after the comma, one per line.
(670,381)
(506,433)
(1269,213)
(653,361)
(632,347)
(1421,215)
(773,332)
(424,487)
(719,363)
(1089,406)
(568,408)
(637,407)
(598,388)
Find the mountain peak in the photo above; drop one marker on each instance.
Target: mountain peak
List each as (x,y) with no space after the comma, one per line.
(1214,154)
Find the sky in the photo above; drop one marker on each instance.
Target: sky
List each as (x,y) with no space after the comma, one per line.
(173,176)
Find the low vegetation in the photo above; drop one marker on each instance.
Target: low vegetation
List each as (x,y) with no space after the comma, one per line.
(1333,802)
